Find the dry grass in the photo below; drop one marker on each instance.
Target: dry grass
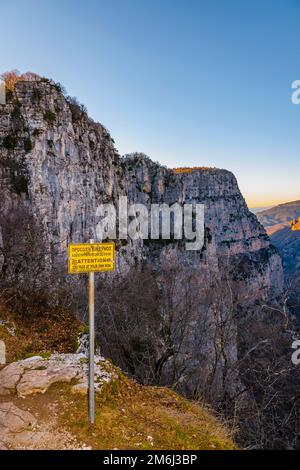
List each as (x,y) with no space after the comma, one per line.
(128,415)
(132,416)
(45,330)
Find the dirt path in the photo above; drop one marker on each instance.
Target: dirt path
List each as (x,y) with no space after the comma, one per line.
(32,424)
(30,404)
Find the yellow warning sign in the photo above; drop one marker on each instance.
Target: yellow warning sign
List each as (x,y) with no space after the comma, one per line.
(91,257)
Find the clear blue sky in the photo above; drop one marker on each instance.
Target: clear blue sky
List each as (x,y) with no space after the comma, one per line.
(188,82)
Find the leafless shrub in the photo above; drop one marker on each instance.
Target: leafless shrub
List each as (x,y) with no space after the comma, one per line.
(166,328)
(77,109)
(142,324)
(32,272)
(270,419)
(170,327)
(22,257)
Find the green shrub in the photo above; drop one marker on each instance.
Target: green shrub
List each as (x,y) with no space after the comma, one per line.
(9,142)
(36,95)
(16,112)
(78,110)
(28,144)
(59,88)
(20,183)
(50,117)
(36,132)
(45,80)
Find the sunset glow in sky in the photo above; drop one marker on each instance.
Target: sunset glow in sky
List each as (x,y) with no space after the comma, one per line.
(189,83)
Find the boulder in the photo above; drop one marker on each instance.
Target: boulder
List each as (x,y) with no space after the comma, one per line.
(14,420)
(36,375)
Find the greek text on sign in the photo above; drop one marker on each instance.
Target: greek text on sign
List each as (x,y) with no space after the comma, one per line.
(91,257)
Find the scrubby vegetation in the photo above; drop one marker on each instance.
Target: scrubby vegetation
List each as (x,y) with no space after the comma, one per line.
(187,169)
(43,331)
(132,416)
(78,110)
(50,117)
(145,330)
(12,77)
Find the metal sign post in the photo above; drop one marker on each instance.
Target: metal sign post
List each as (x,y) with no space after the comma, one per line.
(90,258)
(91,345)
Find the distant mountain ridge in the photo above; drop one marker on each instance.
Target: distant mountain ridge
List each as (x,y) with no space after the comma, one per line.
(278,217)
(282,223)
(255,210)
(287,241)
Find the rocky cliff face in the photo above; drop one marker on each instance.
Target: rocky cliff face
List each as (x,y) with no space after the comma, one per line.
(63,165)
(233,236)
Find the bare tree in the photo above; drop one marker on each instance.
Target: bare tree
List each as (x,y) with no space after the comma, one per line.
(13,76)
(143,322)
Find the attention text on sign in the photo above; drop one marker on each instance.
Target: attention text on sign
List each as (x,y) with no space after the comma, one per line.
(91,257)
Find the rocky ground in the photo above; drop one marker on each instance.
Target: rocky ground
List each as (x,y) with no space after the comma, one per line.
(43,405)
(20,429)
(43,395)
(22,424)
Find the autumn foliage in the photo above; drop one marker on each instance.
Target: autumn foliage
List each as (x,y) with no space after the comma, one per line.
(187,169)
(11,77)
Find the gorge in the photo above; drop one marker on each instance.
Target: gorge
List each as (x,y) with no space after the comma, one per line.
(57,166)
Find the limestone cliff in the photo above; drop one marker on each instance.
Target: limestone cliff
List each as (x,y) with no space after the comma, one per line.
(63,165)
(233,236)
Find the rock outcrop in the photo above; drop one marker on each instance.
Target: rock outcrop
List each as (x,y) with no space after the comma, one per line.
(127,415)
(20,428)
(36,375)
(13,421)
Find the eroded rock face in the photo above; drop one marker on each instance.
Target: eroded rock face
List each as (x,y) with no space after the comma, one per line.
(234,239)
(63,165)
